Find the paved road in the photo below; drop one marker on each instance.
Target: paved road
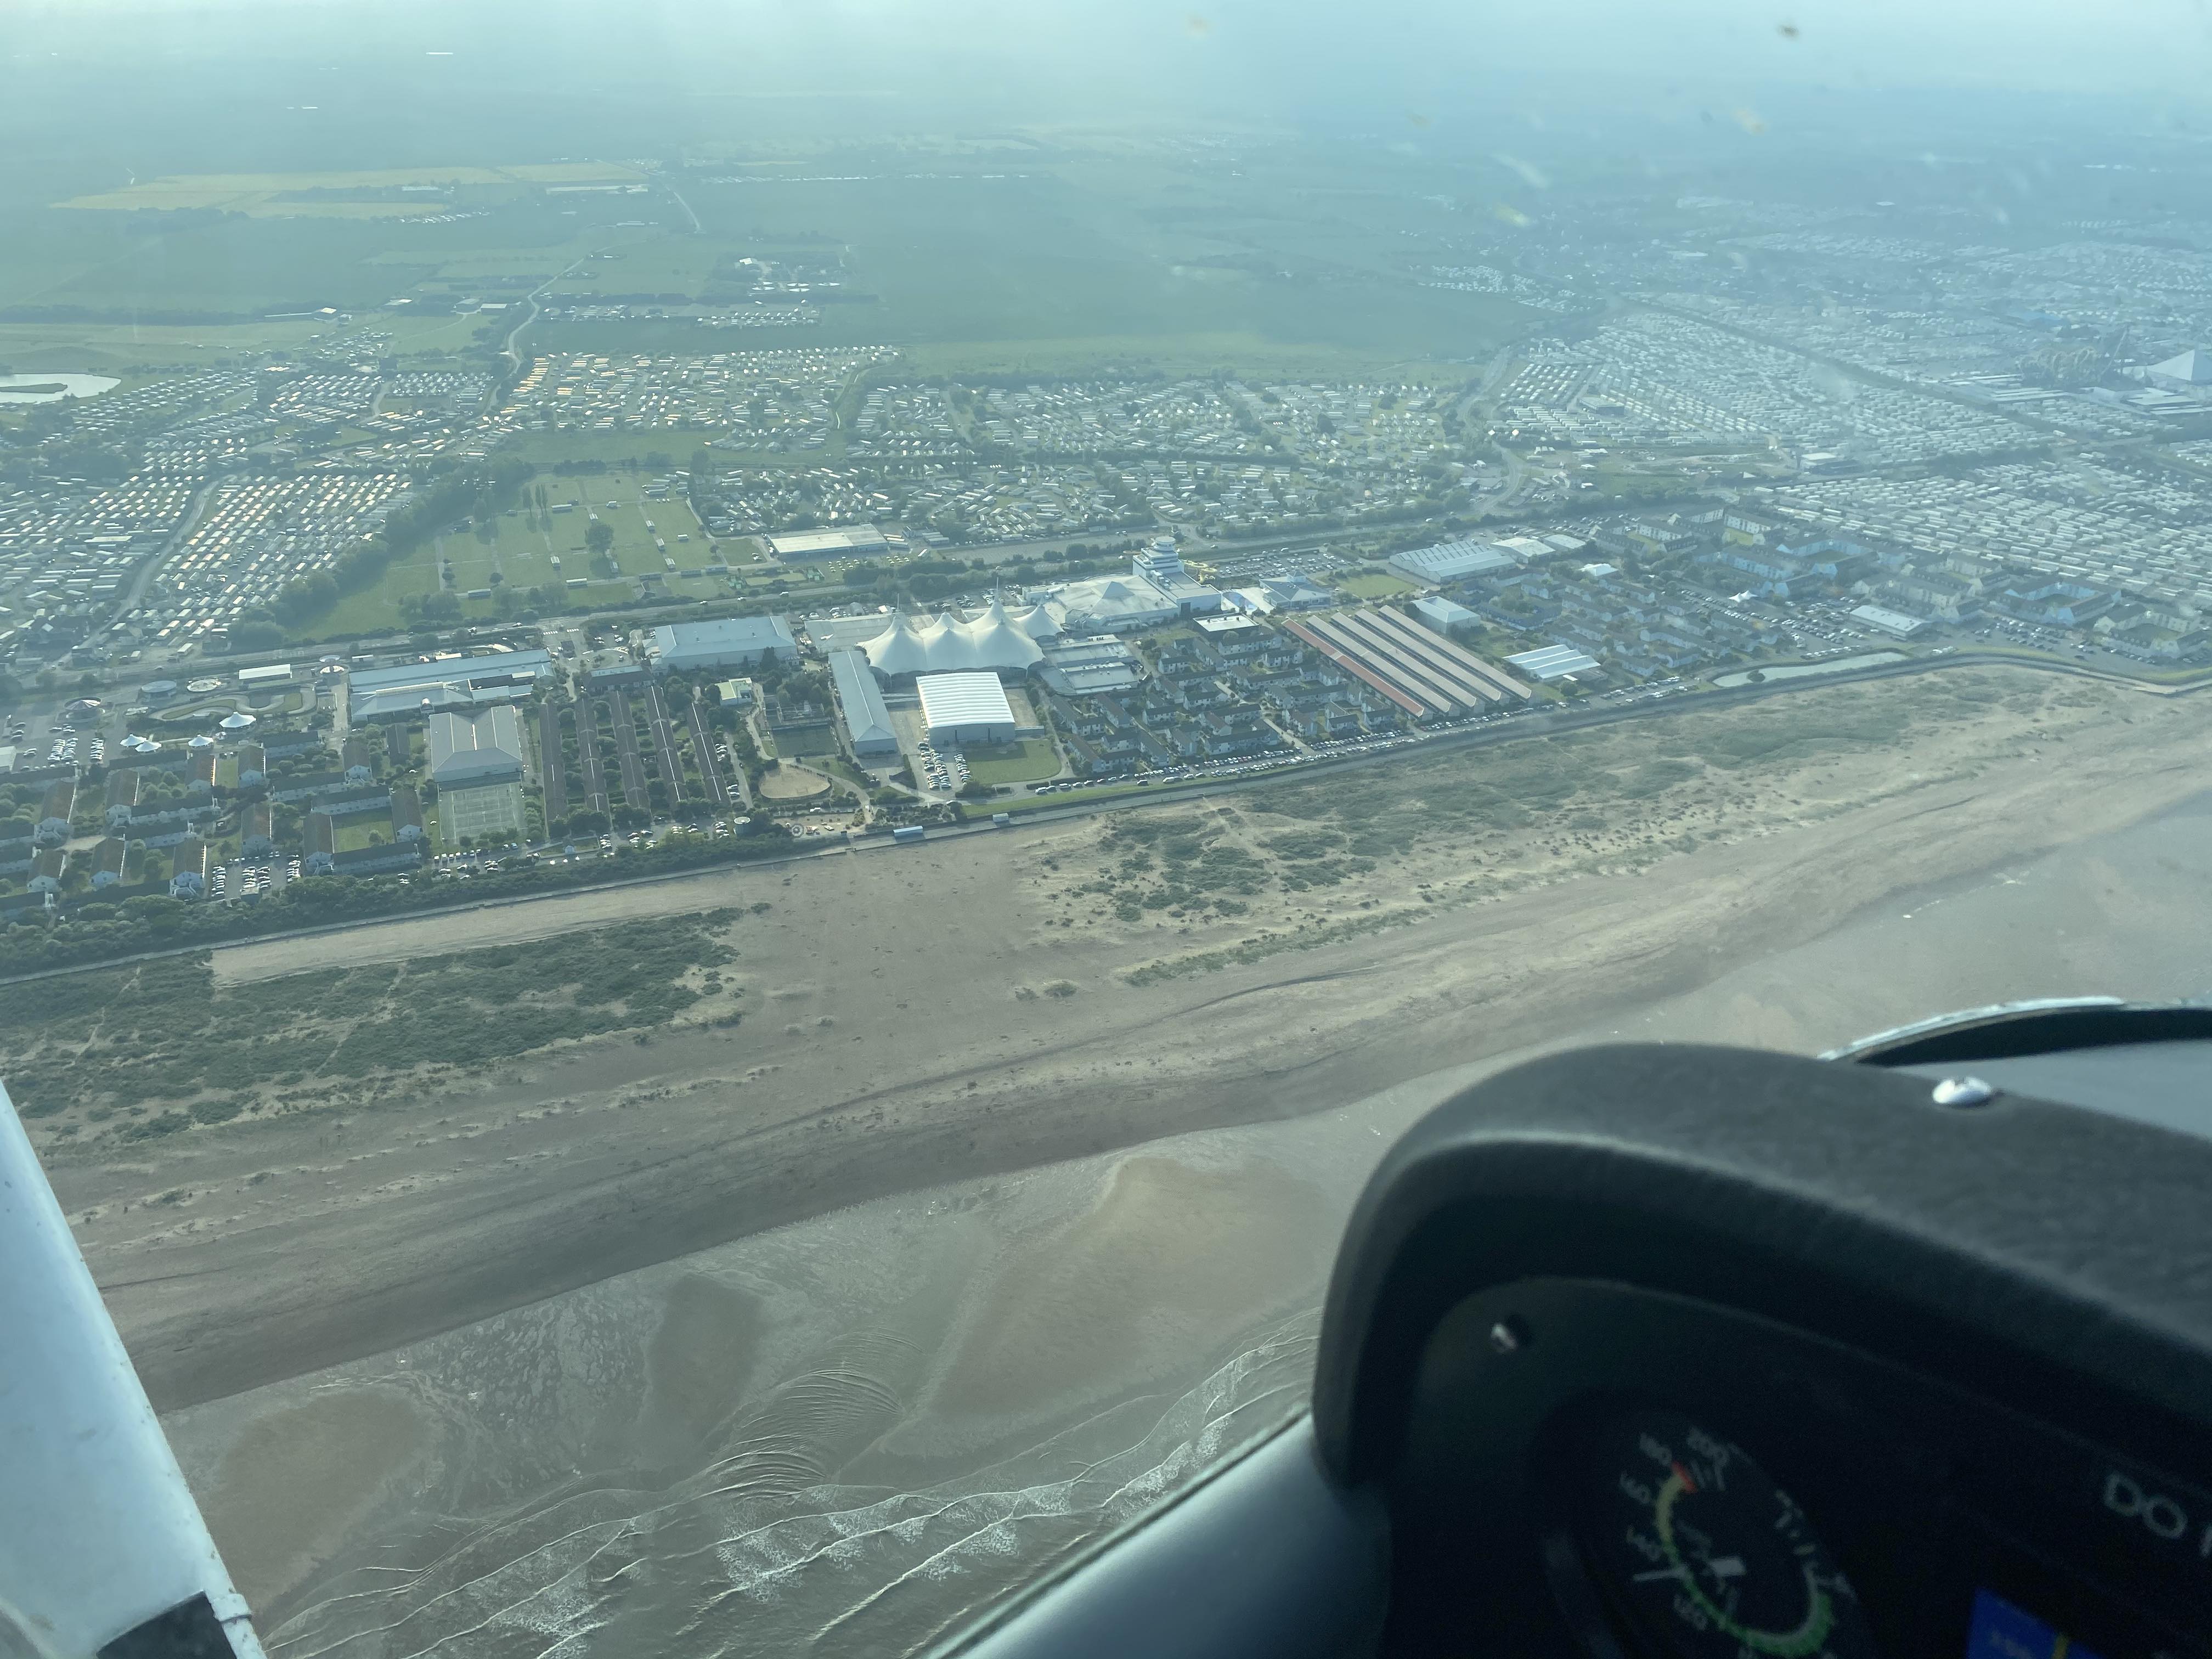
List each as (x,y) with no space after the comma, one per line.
(697,229)
(549,762)
(587,751)
(702,746)
(626,753)
(664,737)
(510,348)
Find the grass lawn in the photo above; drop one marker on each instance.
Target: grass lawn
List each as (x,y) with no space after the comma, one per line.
(1376,586)
(799,742)
(376,610)
(1029,760)
(635,520)
(428,334)
(351,834)
(519,548)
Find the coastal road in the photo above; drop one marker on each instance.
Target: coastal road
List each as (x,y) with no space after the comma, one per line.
(1519,729)
(626,753)
(587,753)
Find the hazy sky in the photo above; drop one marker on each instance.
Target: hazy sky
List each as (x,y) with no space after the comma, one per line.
(1253,54)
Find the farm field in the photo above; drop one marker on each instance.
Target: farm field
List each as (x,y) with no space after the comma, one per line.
(294,194)
(120,348)
(1062,268)
(660,265)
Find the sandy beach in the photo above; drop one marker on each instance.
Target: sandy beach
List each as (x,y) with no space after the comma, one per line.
(881,1243)
(895,1035)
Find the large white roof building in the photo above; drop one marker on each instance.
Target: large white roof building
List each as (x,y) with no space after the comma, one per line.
(853,541)
(1113,605)
(965,708)
(999,641)
(1157,590)
(2190,368)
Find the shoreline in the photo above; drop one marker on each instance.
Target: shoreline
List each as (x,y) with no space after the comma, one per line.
(382,1225)
(1128,1314)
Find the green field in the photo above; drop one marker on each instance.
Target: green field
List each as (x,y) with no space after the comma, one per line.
(802,741)
(519,547)
(633,551)
(350,835)
(119,348)
(1030,761)
(662,265)
(1081,251)
(313,193)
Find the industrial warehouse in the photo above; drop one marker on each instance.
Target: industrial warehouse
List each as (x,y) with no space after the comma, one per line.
(1425,673)
(732,642)
(965,708)
(868,731)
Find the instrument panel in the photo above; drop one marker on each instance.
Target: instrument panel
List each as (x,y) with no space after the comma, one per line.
(1696,1548)
(1683,1352)
(1595,1470)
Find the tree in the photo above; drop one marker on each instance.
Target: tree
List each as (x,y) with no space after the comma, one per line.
(307,597)
(599,538)
(256,634)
